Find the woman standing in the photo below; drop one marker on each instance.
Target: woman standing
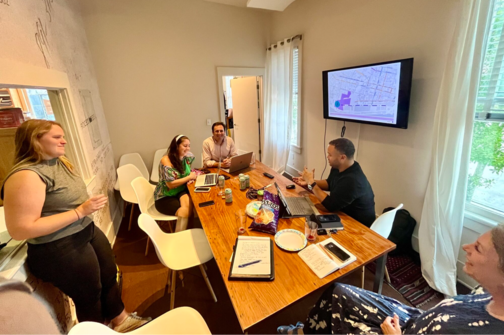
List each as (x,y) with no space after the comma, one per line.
(171,195)
(46,203)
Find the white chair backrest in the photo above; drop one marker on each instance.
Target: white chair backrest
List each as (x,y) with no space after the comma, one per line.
(157,236)
(126,174)
(383,224)
(144,193)
(135,159)
(155,164)
(181,320)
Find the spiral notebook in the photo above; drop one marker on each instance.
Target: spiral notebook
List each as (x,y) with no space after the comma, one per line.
(321,262)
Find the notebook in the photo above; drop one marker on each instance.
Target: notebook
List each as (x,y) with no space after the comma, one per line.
(252,259)
(321,262)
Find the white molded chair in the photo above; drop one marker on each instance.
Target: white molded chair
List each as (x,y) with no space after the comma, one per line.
(125,175)
(383,226)
(178,251)
(135,159)
(155,165)
(182,320)
(144,193)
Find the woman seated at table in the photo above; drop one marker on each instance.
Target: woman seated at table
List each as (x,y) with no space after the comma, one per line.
(348,309)
(171,195)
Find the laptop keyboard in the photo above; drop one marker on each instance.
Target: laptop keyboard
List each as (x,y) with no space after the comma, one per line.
(299,206)
(210,179)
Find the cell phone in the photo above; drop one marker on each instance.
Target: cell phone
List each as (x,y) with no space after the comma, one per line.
(207,203)
(268,175)
(202,189)
(336,251)
(321,232)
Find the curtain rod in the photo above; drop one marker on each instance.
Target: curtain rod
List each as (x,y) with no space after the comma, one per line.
(288,41)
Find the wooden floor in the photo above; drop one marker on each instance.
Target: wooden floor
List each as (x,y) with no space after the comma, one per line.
(144,280)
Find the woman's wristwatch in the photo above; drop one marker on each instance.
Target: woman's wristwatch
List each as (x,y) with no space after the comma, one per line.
(311,186)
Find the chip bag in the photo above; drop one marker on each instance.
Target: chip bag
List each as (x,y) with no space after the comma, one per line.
(266,219)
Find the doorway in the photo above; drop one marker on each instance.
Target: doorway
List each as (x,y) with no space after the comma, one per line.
(241,102)
(21,103)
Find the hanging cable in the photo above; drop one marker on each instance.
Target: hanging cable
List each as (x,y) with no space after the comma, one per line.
(343,129)
(325,131)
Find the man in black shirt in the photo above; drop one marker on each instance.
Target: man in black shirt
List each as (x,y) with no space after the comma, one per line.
(350,191)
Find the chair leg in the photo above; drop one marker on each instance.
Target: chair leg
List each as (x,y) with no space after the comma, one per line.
(181,276)
(131,216)
(147,246)
(387,276)
(208,282)
(172,289)
(362,276)
(168,282)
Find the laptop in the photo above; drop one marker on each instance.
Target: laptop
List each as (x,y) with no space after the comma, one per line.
(292,207)
(209,179)
(239,162)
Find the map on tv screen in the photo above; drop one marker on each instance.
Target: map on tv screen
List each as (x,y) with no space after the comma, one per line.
(366,93)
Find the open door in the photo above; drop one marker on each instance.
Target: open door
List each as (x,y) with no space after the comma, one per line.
(246,115)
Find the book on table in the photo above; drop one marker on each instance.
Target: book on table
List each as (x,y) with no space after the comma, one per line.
(252,259)
(324,262)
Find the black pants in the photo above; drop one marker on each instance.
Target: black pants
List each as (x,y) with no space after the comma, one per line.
(82,266)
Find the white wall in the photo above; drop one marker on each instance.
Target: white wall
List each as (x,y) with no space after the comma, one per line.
(344,33)
(43,43)
(156,65)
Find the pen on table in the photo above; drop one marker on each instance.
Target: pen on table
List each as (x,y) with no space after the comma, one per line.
(247,264)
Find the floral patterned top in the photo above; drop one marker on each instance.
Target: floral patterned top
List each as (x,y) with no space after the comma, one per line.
(169,174)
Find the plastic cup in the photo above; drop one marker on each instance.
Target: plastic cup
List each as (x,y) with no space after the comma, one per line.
(241,220)
(311,230)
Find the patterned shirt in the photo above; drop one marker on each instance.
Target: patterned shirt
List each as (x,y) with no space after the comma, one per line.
(169,174)
(462,314)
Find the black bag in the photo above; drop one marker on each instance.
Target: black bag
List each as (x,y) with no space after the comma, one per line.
(401,233)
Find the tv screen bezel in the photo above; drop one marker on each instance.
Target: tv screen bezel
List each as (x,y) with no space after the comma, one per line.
(403,97)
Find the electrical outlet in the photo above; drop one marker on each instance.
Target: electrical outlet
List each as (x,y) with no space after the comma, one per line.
(208,122)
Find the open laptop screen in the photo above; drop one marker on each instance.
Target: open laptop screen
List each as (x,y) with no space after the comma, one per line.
(282,198)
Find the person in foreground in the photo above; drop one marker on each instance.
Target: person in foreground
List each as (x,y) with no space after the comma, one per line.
(171,194)
(348,309)
(218,147)
(46,203)
(350,191)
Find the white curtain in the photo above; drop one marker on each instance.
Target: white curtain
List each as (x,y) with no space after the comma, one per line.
(441,225)
(278,105)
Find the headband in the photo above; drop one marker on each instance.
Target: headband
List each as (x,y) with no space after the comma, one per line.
(178,137)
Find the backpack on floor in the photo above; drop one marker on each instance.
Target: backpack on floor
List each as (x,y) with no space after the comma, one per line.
(402,231)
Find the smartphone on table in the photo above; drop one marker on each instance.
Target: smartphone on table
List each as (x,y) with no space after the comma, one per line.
(336,251)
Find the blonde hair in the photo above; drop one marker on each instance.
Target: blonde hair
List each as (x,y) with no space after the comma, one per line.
(28,148)
(498,242)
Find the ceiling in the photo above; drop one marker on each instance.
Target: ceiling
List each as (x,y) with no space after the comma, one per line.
(278,5)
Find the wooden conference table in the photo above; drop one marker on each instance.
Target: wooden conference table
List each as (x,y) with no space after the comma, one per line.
(254,301)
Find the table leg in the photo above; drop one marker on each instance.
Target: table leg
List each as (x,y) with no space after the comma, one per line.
(380,271)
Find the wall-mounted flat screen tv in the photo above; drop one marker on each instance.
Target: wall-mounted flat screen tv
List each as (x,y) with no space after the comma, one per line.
(377,94)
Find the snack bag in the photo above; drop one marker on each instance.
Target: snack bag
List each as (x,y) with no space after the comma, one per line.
(266,219)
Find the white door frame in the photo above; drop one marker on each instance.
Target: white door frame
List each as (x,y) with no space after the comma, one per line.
(245,72)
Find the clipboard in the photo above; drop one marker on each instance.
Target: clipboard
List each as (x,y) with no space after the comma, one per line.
(268,277)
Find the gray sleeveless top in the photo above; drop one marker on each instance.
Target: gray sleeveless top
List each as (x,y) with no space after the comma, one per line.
(64,192)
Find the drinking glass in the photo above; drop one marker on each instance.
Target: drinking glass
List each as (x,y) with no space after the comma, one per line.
(311,230)
(241,220)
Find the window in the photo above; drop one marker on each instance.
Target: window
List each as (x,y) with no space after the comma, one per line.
(485,192)
(296,95)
